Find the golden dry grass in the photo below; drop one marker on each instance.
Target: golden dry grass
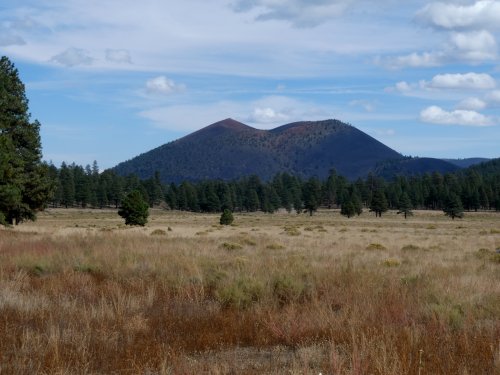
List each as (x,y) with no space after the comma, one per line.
(82,294)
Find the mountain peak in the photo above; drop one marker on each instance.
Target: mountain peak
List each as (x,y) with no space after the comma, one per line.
(228,123)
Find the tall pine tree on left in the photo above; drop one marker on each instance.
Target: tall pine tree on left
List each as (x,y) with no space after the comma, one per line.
(25,185)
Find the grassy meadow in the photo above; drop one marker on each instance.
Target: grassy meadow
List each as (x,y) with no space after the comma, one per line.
(80,293)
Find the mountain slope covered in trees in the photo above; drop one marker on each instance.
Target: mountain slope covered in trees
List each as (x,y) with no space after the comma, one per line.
(229,149)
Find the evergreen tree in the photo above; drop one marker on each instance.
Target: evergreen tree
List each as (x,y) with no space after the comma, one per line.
(357,203)
(226,199)
(330,189)
(93,175)
(226,218)
(348,209)
(115,192)
(171,196)
(212,201)
(453,207)
(10,184)
(296,192)
(25,186)
(82,185)
(191,197)
(134,209)
(270,201)
(405,206)
(378,203)
(101,193)
(67,185)
(154,189)
(252,203)
(54,176)
(312,195)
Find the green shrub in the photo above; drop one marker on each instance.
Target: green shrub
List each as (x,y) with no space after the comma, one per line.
(158,232)
(231,246)
(292,231)
(288,289)
(134,209)
(241,293)
(226,218)
(375,246)
(391,262)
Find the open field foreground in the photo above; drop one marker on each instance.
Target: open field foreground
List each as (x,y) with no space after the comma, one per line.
(274,294)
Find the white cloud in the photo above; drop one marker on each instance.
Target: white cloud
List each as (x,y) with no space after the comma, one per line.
(473,46)
(415,60)
(267,116)
(402,87)
(121,56)
(437,115)
(475,81)
(468,28)
(163,86)
(275,110)
(73,57)
(445,86)
(472,104)
(483,13)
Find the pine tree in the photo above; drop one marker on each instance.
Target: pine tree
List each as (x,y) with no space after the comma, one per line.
(330,189)
(25,186)
(101,193)
(312,195)
(348,209)
(453,207)
(357,203)
(405,206)
(67,185)
(212,199)
(134,209)
(115,189)
(378,203)
(171,196)
(252,201)
(226,198)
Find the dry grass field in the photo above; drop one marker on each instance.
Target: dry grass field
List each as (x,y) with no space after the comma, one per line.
(273,294)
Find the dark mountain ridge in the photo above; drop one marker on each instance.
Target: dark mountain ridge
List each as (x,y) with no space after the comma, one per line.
(229,149)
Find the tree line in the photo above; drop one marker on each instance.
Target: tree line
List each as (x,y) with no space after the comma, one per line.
(471,189)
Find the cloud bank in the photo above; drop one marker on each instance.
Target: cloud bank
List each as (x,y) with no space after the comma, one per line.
(437,115)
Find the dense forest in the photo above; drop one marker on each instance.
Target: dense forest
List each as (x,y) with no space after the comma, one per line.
(475,188)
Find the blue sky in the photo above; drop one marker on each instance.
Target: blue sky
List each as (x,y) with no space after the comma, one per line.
(111,79)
